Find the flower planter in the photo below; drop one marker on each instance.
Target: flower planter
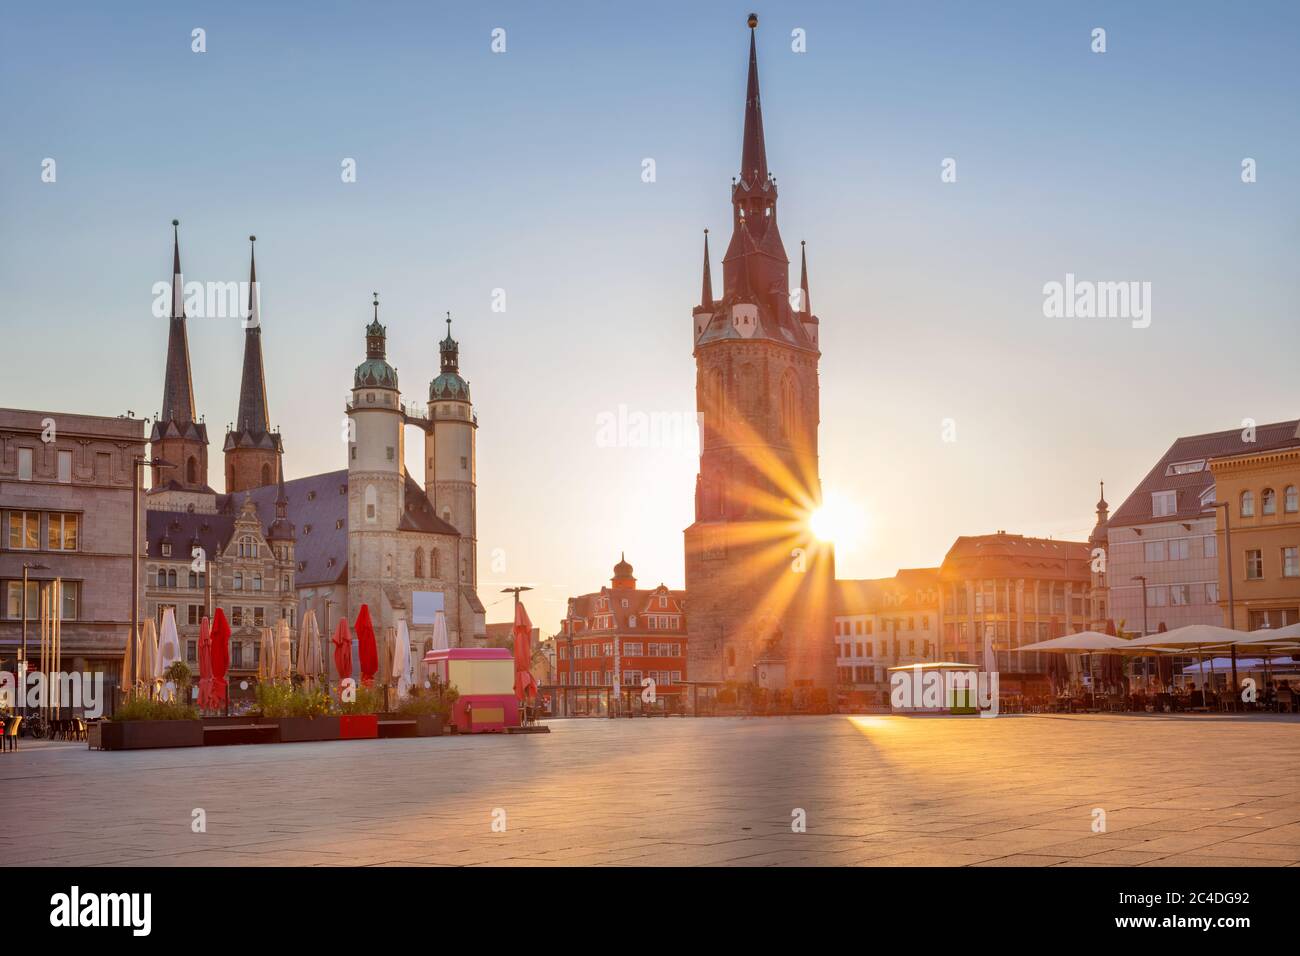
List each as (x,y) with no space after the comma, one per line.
(358,726)
(302,729)
(150,734)
(429,725)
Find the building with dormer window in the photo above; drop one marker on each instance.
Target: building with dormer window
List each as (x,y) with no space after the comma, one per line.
(613,640)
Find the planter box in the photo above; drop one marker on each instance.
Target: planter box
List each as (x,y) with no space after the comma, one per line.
(358,726)
(302,729)
(418,725)
(150,734)
(429,725)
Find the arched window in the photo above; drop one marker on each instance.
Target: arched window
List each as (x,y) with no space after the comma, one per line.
(372,504)
(162,578)
(191,471)
(194,580)
(1247,504)
(1292,499)
(239,580)
(419,562)
(1268,501)
(266,474)
(434,570)
(171,579)
(789,406)
(715,395)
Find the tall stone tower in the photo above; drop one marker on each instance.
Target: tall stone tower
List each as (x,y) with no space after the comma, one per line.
(376,473)
(758,584)
(177,438)
(449,456)
(252,450)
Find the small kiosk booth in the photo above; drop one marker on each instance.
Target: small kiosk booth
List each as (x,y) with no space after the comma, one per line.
(485,679)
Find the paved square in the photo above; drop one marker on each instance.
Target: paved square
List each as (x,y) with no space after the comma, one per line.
(877,791)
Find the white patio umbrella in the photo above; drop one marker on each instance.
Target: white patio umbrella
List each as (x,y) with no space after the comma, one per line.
(310,662)
(169,648)
(990,657)
(402,659)
(440,639)
(1191,636)
(1083,642)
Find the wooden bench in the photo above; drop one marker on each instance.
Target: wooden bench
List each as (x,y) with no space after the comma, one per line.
(398,728)
(250,733)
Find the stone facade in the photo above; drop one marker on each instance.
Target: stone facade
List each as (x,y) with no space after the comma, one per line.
(66,503)
(1263,493)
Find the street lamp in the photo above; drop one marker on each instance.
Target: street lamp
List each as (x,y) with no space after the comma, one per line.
(1232,612)
(136,491)
(1143,579)
(22,667)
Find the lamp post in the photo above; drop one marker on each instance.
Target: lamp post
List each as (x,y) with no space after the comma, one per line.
(136,490)
(22,665)
(1232,612)
(1143,579)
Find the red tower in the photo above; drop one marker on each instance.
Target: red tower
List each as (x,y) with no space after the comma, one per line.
(758,584)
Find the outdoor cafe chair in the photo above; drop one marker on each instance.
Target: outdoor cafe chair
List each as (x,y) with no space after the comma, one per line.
(10,739)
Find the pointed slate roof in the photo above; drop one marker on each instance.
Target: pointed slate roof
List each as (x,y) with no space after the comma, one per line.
(178,387)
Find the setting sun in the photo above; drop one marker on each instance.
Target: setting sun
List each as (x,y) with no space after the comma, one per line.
(836,520)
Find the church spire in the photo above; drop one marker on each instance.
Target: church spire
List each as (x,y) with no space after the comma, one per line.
(753,155)
(178,442)
(178,387)
(706,294)
(252,414)
(805,304)
(253,451)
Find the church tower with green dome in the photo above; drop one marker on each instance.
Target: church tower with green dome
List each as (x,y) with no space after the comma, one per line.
(449,459)
(376,475)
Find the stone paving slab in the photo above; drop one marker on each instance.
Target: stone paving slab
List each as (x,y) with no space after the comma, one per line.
(874,790)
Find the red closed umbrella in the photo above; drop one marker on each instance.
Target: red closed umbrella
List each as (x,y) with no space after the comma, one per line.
(205,664)
(367,652)
(342,641)
(525,685)
(220,657)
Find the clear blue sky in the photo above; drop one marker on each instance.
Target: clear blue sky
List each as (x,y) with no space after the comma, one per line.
(522,171)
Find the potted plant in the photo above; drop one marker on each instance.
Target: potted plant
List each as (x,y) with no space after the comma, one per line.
(360,717)
(302,715)
(430,711)
(142,723)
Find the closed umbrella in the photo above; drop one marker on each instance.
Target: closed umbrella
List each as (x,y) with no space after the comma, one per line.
(401,668)
(367,653)
(150,672)
(265,655)
(440,641)
(220,657)
(525,685)
(342,641)
(309,658)
(990,656)
(130,663)
(283,649)
(387,646)
(169,642)
(205,664)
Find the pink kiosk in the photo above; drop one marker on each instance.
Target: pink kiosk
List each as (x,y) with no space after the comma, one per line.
(485,680)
